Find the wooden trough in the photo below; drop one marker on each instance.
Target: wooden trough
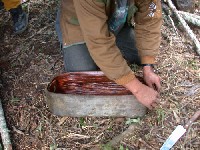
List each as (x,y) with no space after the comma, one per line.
(79,94)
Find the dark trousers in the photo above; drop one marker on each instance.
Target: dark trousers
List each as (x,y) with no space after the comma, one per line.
(77,57)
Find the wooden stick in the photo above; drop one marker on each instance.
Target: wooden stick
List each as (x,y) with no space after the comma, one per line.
(4,130)
(185,25)
(192,119)
(127,133)
(189,14)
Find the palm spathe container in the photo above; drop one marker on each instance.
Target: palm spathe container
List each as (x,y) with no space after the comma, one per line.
(79,94)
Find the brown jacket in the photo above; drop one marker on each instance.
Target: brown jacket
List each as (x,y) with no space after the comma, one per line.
(85,21)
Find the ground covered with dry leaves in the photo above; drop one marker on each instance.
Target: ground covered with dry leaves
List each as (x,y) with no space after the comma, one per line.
(29,62)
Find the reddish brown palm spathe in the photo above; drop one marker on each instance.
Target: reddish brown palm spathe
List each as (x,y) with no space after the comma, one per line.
(86,83)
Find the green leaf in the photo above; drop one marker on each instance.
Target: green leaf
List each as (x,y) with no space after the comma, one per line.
(15,100)
(160,115)
(107,147)
(121,147)
(39,128)
(82,121)
(109,129)
(53,147)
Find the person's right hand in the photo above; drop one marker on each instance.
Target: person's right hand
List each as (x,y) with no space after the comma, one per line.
(144,94)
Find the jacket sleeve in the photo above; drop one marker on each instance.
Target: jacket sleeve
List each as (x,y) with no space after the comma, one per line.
(100,42)
(148,21)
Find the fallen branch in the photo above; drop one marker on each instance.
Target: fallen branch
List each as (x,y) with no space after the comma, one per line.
(191,18)
(127,133)
(4,130)
(189,14)
(185,25)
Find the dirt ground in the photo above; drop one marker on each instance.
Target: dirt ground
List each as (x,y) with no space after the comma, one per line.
(28,62)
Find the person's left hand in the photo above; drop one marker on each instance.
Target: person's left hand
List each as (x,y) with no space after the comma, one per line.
(151,79)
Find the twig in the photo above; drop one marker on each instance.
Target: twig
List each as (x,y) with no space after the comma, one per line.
(18,131)
(175,29)
(38,32)
(78,136)
(185,25)
(61,121)
(4,130)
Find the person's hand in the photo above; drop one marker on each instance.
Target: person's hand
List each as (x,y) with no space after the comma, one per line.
(144,94)
(151,79)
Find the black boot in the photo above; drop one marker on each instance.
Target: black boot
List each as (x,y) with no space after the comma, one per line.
(1,6)
(20,19)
